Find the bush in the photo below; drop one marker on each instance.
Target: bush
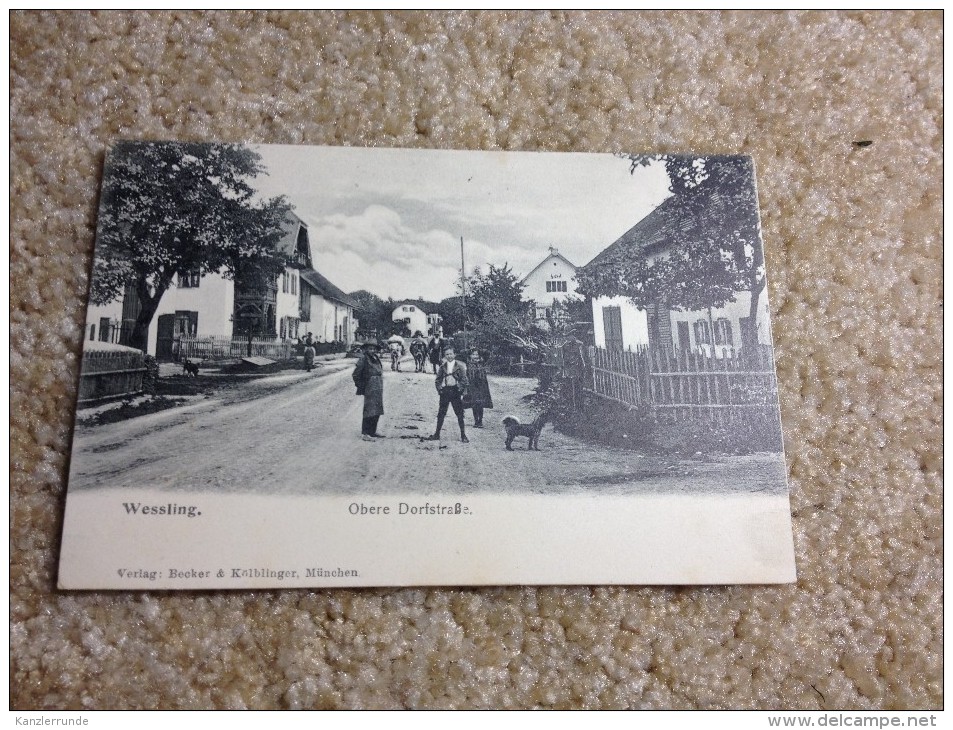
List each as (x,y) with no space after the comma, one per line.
(150,379)
(616,425)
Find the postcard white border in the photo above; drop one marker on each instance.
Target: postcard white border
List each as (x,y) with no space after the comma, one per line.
(503,540)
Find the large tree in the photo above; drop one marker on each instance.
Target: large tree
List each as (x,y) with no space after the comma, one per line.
(706,244)
(371,312)
(168,208)
(495,309)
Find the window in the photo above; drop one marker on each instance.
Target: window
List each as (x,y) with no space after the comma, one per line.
(549,286)
(190,279)
(92,332)
(563,286)
(289,328)
(702,332)
(723,331)
(294,283)
(284,282)
(186,324)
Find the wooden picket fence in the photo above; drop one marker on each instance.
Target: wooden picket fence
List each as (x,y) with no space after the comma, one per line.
(110,374)
(231,348)
(687,385)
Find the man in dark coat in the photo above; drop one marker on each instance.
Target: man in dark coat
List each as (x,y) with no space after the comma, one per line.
(452,384)
(369,378)
(435,351)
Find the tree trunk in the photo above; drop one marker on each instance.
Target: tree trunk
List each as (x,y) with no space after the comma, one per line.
(752,322)
(148,305)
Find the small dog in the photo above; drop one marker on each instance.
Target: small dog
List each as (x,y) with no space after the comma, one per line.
(190,368)
(530,430)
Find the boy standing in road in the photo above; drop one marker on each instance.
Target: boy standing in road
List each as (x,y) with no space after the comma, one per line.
(452,384)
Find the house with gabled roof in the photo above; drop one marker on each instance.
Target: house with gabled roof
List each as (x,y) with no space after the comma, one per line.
(326,311)
(206,304)
(552,280)
(715,331)
(414,315)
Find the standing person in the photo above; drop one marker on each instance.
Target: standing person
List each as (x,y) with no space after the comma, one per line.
(396,350)
(435,352)
(452,384)
(478,395)
(308,354)
(369,378)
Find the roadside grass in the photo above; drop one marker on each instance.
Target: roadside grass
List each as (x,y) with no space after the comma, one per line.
(639,429)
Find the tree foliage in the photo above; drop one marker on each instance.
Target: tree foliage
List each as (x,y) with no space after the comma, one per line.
(376,315)
(494,310)
(169,208)
(371,312)
(494,296)
(705,244)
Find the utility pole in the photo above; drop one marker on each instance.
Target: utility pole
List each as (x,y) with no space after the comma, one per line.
(463,299)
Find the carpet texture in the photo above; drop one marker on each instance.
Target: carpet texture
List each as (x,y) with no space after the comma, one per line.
(853,242)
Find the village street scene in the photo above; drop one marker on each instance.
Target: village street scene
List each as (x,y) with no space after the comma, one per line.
(289,439)
(262,323)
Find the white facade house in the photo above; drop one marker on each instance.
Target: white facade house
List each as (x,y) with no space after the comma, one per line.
(620,325)
(196,305)
(326,311)
(413,316)
(714,331)
(552,280)
(202,304)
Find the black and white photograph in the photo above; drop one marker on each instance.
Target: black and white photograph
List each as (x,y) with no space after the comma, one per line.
(320,366)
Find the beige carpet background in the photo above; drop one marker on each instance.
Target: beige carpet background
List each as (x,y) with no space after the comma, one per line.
(853,242)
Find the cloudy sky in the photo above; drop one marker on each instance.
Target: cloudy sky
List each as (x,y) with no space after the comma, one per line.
(390,221)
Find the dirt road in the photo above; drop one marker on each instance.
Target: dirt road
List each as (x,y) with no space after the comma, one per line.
(301,435)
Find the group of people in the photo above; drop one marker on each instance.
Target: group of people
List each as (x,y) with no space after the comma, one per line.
(424,351)
(460,385)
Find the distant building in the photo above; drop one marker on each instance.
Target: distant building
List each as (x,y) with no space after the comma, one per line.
(552,280)
(434,325)
(413,315)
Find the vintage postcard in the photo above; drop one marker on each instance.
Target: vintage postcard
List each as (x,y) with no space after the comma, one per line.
(334,367)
